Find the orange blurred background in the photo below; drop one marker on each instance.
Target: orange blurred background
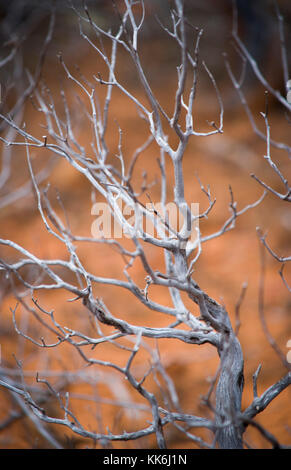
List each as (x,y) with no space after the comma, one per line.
(225,265)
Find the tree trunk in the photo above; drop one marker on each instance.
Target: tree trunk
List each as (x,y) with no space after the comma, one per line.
(229,392)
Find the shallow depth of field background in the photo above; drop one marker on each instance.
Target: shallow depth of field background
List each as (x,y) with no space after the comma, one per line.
(225,264)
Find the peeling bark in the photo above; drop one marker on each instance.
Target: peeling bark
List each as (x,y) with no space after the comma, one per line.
(228,393)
